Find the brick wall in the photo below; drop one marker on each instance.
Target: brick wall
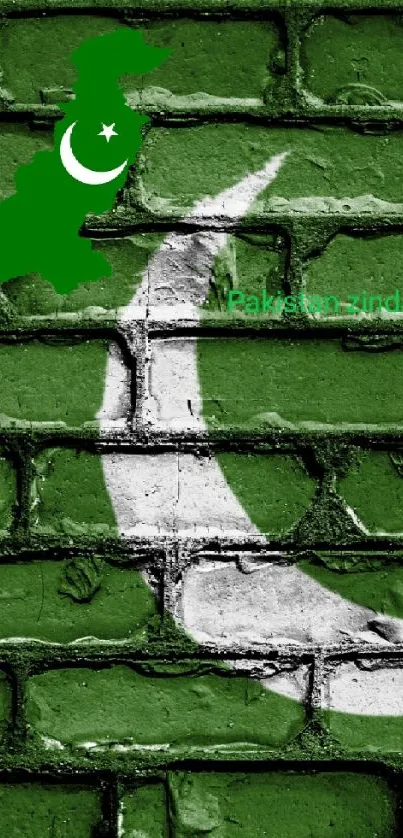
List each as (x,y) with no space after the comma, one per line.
(203,702)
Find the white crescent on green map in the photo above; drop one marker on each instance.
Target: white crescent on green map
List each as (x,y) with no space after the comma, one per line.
(285,603)
(76,169)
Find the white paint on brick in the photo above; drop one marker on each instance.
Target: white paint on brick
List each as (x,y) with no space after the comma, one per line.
(173,493)
(367,692)
(142,492)
(293,684)
(116,400)
(175,402)
(276,603)
(187,495)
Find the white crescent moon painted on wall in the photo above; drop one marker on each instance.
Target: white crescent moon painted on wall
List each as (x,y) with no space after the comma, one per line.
(80,172)
(288,604)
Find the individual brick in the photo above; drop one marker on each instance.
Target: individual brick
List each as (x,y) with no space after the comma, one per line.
(290,382)
(370,268)
(8,492)
(18,145)
(36,57)
(188,276)
(228,494)
(373,489)
(61,384)
(29,809)
(199,276)
(254,601)
(179,705)
(69,494)
(328,169)
(278,803)
(326,804)
(60,602)
(128,256)
(364,708)
(354,59)
(145,494)
(35,52)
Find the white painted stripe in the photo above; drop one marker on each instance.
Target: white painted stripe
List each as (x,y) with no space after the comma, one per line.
(176,281)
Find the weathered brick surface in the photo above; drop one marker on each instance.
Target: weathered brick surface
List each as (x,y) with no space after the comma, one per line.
(36,367)
(251,637)
(370,264)
(343,382)
(282,804)
(63,601)
(35,68)
(154,490)
(183,710)
(8,497)
(276,610)
(354,688)
(354,59)
(38,809)
(336,169)
(5,706)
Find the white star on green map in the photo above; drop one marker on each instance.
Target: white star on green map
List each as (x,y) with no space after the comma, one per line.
(107,131)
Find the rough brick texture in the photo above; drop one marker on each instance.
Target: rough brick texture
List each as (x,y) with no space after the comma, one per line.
(237,692)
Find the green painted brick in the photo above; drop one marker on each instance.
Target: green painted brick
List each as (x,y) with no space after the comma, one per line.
(40,809)
(67,496)
(144,812)
(373,487)
(62,601)
(283,805)
(176,710)
(35,52)
(354,49)
(274,491)
(258,804)
(297,382)
(35,56)
(328,168)
(363,580)
(354,732)
(369,264)
(220,58)
(250,264)
(51,383)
